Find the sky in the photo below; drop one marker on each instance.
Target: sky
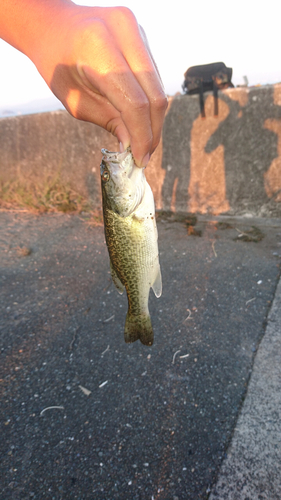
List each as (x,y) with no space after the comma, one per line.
(244,34)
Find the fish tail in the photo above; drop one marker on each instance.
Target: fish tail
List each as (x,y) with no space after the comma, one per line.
(138,327)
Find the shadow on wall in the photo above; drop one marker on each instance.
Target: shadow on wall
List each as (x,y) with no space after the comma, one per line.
(176,147)
(273,176)
(223,162)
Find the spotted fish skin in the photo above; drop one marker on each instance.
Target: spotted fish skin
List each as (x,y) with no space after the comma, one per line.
(131,237)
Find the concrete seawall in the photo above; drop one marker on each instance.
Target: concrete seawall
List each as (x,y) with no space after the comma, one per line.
(230,163)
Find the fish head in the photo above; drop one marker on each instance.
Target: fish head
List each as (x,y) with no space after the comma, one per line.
(123,183)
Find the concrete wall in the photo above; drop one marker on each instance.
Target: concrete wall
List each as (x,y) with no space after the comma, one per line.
(225,164)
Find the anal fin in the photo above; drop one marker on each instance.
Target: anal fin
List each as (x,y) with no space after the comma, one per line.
(157,285)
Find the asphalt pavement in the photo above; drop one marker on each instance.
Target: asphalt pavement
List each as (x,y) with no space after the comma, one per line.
(86,416)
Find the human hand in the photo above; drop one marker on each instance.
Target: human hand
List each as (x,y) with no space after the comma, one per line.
(98,63)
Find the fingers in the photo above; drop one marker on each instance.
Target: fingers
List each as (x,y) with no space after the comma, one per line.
(130,103)
(92,107)
(147,111)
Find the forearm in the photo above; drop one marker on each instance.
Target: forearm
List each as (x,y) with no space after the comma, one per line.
(23,23)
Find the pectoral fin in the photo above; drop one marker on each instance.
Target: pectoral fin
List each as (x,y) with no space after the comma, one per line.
(157,285)
(116,280)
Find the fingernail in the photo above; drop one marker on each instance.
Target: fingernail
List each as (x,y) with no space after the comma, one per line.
(121,147)
(145,160)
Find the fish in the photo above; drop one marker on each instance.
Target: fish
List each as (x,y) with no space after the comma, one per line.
(132,239)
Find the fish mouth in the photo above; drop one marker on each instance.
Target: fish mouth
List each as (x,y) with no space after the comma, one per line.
(115,157)
(115,161)
(125,161)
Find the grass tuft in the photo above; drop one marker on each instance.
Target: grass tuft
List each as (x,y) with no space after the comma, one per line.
(49,195)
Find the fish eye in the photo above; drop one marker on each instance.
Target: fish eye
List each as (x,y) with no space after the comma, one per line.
(105,176)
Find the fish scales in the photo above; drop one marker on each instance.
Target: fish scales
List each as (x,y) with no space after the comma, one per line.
(129,255)
(131,237)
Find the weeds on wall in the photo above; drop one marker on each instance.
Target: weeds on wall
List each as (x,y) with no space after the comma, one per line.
(49,195)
